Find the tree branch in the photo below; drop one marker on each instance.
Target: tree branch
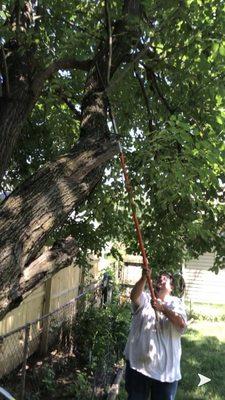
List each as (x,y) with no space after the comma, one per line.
(63,64)
(5,75)
(132,7)
(109,32)
(134,59)
(154,84)
(44,202)
(76,113)
(17,15)
(52,260)
(146,99)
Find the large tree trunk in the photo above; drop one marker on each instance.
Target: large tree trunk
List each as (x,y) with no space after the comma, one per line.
(17,99)
(13,114)
(44,201)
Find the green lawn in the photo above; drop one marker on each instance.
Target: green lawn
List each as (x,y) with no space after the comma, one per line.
(203,353)
(203,311)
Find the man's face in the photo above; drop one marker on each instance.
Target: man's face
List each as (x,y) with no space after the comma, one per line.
(164,282)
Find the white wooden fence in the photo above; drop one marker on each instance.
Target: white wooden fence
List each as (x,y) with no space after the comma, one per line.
(54,293)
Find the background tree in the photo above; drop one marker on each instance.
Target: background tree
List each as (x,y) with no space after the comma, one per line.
(162,67)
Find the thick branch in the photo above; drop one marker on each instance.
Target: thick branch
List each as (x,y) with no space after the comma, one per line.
(132,7)
(110,54)
(109,33)
(14,111)
(63,64)
(52,260)
(76,113)
(131,60)
(5,74)
(21,16)
(13,114)
(42,203)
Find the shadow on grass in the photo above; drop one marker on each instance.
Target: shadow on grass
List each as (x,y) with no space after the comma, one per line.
(205,356)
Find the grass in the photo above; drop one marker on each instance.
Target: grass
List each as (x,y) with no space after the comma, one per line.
(203,353)
(203,311)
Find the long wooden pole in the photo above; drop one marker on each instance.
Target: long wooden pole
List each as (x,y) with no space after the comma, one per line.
(133,208)
(136,223)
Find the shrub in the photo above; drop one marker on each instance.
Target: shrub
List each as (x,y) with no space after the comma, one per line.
(99,336)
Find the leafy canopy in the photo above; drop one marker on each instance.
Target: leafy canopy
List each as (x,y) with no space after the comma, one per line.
(170,110)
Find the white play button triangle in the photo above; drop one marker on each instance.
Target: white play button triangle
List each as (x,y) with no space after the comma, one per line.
(203,380)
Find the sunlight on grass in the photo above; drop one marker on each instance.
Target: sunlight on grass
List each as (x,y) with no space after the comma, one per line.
(206,328)
(203,353)
(207,312)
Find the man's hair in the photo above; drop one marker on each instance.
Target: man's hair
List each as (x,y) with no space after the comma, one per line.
(177,282)
(169,275)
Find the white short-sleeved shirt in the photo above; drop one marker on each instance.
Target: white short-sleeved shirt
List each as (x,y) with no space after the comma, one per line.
(153,347)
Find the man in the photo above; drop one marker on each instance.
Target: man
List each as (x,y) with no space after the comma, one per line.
(153,349)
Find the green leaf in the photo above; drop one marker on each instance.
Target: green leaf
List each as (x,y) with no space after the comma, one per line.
(215,48)
(219,120)
(222,50)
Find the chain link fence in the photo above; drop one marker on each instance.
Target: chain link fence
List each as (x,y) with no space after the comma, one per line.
(21,348)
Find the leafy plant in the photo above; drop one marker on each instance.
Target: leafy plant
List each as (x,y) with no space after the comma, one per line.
(99,338)
(81,387)
(48,379)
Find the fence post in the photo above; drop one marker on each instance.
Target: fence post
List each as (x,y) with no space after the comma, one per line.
(81,303)
(114,389)
(45,323)
(25,354)
(106,289)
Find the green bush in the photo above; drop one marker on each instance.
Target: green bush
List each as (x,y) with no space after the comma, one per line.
(48,379)
(81,388)
(100,334)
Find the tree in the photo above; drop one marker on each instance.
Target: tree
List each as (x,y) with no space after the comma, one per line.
(161,66)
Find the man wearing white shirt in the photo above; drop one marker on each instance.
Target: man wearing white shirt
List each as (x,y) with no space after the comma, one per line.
(153,348)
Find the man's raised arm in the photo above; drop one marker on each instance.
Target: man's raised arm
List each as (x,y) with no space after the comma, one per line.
(138,289)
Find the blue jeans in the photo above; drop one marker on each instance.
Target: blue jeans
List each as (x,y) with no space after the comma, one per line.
(141,387)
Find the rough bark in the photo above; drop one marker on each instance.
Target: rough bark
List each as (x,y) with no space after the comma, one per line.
(13,114)
(25,90)
(52,260)
(44,201)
